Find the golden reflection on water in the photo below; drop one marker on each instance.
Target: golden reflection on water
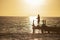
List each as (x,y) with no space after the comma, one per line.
(38,39)
(31,18)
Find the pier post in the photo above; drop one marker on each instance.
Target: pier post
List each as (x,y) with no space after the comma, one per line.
(33,27)
(43,26)
(33,31)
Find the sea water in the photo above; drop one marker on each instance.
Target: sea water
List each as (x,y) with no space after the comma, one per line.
(22,25)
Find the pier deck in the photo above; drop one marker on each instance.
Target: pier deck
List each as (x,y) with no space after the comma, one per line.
(48,29)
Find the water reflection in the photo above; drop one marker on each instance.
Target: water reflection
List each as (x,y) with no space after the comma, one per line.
(37,39)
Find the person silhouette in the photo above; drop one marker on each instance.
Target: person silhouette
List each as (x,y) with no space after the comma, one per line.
(38,18)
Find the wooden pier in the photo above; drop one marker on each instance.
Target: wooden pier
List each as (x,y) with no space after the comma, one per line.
(44,28)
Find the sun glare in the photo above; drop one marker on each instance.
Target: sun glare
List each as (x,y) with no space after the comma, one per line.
(33,18)
(35,2)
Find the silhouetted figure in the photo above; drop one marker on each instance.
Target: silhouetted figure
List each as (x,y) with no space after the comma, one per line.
(44,23)
(38,19)
(33,27)
(43,26)
(33,23)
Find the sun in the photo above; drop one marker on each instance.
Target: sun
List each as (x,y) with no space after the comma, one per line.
(32,2)
(35,2)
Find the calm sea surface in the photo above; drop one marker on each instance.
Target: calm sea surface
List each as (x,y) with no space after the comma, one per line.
(23,25)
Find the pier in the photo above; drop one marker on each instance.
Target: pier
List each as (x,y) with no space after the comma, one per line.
(44,28)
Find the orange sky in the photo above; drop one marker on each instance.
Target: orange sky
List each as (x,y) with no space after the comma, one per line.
(21,8)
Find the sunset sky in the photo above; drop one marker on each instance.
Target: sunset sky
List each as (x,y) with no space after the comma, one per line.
(30,8)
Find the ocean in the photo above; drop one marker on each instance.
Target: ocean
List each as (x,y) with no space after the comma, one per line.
(22,25)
